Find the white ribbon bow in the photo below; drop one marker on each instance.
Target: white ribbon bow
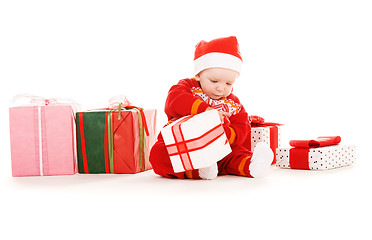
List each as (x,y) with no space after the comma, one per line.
(33,100)
(122,100)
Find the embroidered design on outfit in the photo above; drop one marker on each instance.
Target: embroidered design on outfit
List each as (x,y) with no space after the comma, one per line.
(226,105)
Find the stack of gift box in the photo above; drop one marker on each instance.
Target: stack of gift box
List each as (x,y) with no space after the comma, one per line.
(50,137)
(322,153)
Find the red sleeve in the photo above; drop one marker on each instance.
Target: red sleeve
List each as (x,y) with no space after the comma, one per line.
(181,102)
(237,130)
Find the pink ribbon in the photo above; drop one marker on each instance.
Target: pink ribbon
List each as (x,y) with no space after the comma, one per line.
(33,100)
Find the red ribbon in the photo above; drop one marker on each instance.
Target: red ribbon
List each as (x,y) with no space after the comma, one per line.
(299,158)
(83,148)
(319,142)
(299,155)
(106,145)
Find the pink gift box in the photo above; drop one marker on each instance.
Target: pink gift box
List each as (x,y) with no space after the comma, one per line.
(42,140)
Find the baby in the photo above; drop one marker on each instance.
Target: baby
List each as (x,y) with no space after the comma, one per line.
(217,65)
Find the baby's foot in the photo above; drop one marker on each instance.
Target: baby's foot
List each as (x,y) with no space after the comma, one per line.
(209,173)
(261,160)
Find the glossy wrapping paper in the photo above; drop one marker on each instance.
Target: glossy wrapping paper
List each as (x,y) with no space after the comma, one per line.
(42,140)
(107,143)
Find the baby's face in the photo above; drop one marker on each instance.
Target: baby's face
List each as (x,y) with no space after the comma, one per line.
(217,83)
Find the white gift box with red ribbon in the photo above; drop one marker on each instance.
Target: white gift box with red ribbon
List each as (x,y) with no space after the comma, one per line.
(269,134)
(321,158)
(196,141)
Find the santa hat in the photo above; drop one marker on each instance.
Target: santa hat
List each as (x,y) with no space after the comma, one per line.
(220,52)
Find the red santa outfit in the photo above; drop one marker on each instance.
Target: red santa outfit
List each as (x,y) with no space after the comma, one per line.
(187,98)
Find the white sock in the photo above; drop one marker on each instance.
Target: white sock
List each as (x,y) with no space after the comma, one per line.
(209,173)
(261,160)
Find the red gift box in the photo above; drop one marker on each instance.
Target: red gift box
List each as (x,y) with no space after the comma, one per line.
(115,141)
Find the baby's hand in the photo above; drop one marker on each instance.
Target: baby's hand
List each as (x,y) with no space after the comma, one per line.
(222,114)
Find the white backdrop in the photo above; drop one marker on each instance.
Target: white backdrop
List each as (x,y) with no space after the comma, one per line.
(307,64)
